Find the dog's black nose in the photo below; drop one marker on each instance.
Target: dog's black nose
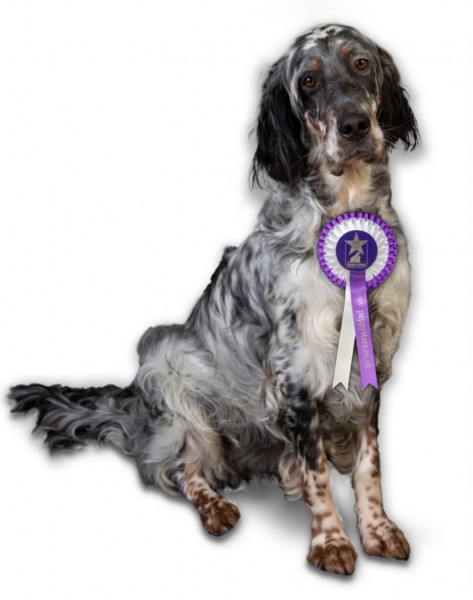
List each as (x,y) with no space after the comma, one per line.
(353,127)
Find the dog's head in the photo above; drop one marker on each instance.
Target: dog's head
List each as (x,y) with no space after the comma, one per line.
(334,98)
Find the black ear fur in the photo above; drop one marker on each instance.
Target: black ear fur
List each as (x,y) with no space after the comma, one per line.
(281,152)
(395,116)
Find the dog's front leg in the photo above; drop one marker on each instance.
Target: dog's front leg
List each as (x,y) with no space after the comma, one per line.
(379,535)
(330,548)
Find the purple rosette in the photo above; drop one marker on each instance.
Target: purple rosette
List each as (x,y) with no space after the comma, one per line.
(356,251)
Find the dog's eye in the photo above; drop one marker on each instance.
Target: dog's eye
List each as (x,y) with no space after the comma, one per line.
(309,82)
(362,64)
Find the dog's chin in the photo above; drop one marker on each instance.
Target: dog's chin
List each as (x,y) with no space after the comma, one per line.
(370,156)
(337,171)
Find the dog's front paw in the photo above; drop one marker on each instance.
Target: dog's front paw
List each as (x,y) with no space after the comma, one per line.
(219,516)
(384,538)
(336,556)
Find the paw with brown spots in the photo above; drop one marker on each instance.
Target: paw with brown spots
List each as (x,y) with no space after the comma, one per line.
(384,538)
(219,516)
(336,556)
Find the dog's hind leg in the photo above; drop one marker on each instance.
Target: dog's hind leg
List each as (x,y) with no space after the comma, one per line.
(178,377)
(218,515)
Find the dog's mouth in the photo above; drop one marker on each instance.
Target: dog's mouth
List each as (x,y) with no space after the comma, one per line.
(369,152)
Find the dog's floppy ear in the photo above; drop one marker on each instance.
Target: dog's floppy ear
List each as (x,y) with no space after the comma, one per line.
(395,116)
(280,151)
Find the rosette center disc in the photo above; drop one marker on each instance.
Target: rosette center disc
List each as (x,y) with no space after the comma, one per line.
(356,250)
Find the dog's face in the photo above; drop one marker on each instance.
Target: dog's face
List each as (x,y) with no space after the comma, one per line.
(335,83)
(334,98)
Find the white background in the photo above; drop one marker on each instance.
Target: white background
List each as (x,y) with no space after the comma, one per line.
(124,156)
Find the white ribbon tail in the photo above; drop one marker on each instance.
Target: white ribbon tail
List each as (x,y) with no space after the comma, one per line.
(346,343)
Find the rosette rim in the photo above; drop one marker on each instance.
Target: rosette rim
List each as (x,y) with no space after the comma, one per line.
(336,273)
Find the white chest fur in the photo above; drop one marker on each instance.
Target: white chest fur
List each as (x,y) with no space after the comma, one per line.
(318,305)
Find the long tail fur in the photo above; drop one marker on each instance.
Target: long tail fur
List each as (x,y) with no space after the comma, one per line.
(70,416)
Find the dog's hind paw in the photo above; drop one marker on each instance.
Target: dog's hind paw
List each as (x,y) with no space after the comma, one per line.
(219,516)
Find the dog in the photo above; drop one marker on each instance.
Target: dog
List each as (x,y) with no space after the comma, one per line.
(243,388)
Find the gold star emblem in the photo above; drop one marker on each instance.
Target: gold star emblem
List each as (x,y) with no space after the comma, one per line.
(356,245)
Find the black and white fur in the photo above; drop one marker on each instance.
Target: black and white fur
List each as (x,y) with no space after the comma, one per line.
(243,388)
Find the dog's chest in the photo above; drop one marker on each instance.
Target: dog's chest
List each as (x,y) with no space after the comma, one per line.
(311,334)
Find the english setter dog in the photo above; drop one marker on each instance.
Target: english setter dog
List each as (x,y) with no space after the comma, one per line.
(243,388)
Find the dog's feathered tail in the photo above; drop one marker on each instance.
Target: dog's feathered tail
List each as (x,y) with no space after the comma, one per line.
(70,416)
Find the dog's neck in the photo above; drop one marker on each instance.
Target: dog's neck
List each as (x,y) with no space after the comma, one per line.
(361,187)
(294,216)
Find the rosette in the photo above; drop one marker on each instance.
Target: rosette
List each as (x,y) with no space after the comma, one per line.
(356,251)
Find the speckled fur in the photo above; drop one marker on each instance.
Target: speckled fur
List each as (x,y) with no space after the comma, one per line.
(243,388)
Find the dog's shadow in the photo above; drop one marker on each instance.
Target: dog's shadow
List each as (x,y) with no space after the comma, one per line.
(265,501)
(260,500)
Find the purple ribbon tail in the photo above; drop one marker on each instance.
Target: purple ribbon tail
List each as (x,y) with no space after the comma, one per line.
(364,344)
